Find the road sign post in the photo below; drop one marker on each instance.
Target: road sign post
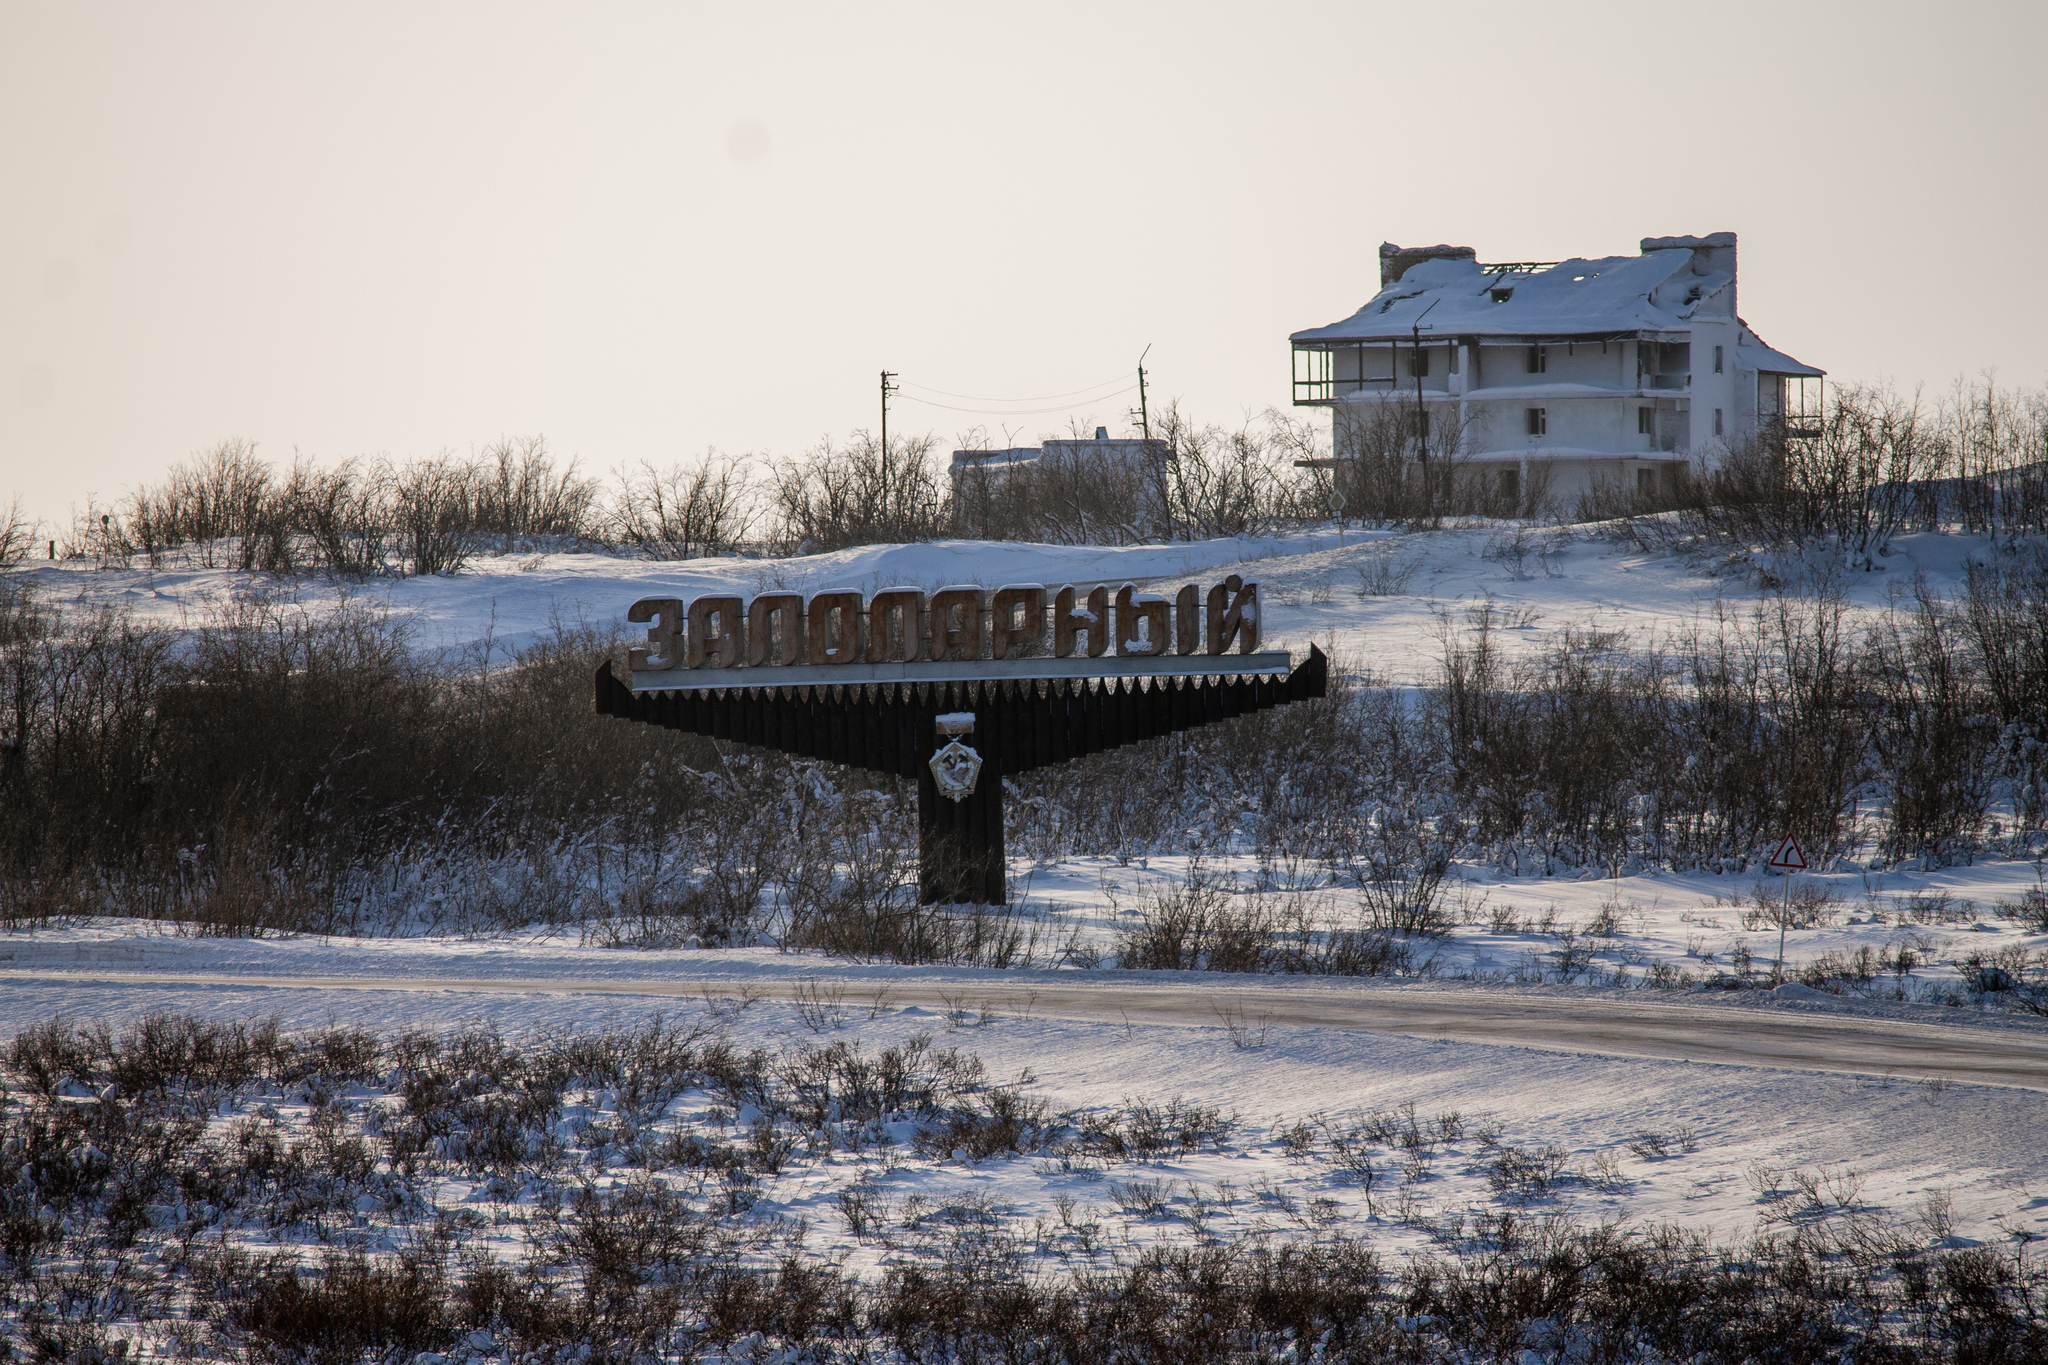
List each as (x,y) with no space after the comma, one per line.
(1789,858)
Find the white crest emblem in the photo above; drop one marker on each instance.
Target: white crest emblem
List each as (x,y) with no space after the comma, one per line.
(955,769)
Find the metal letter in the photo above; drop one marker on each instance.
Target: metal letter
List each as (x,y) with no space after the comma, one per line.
(666,613)
(775,630)
(1187,624)
(1234,611)
(1067,620)
(945,636)
(908,606)
(843,645)
(718,645)
(1007,638)
(1131,639)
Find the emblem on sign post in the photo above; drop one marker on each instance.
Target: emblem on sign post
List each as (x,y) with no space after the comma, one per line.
(955,769)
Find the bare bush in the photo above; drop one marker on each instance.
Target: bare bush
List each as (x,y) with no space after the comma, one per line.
(224,504)
(1220,482)
(857,494)
(18,534)
(1385,479)
(1208,924)
(1869,464)
(1931,741)
(543,1199)
(520,492)
(346,513)
(682,512)
(434,512)
(227,508)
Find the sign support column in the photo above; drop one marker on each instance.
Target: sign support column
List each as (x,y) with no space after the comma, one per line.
(1788,858)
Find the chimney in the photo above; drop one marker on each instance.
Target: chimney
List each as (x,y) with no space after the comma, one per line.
(1102,433)
(1395,260)
(1715,251)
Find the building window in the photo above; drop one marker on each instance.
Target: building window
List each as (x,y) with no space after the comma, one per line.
(1717,360)
(1511,485)
(1646,422)
(1646,481)
(1418,362)
(1717,421)
(1538,361)
(1539,421)
(1453,351)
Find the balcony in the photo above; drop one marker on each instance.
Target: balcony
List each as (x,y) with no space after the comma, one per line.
(1318,377)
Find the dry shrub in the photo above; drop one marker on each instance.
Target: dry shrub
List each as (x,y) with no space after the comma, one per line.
(1867,465)
(17,534)
(228,508)
(679,512)
(857,494)
(1210,924)
(353,1306)
(131,1207)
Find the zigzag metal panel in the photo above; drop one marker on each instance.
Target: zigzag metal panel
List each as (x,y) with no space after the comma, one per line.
(1018,726)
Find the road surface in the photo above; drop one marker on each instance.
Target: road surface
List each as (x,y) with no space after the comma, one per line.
(1640,1024)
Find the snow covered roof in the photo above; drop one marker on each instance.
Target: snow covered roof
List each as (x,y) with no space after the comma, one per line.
(1572,298)
(1767,361)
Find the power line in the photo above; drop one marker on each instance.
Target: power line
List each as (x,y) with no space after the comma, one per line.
(1016,412)
(1035,398)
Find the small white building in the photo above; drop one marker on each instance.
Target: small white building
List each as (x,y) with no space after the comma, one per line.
(1068,490)
(1617,370)
(994,464)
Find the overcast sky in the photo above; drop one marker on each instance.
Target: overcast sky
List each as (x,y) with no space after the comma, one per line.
(647,230)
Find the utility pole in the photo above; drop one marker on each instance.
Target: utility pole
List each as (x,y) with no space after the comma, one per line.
(1422,414)
(887,389)
(1144,422)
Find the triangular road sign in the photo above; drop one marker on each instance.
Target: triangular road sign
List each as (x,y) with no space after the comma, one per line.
(1788,858)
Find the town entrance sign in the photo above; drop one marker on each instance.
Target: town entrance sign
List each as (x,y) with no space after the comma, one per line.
(960,689)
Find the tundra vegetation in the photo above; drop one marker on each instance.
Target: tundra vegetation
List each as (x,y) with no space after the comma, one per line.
(198,1190)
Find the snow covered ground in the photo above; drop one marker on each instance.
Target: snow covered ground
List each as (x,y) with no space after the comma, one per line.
(1541,579)
(1641,1141)
(1721,1147)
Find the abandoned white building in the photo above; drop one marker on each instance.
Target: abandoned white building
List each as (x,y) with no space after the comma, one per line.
(1105,481)
(967,464)
(1617,370)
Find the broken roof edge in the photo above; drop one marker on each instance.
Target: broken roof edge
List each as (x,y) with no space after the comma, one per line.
(1395,261)
(1404,335)
(1712,239)
(1797,368)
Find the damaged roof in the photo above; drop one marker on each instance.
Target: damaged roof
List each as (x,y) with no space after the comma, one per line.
(1656,291)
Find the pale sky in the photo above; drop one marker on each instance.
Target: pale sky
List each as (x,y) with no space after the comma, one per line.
(645,230)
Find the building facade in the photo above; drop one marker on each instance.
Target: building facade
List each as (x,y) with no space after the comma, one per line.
(1069,491)
(1615,371)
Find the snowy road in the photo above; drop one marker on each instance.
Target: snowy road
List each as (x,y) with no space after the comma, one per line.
(1720,1033)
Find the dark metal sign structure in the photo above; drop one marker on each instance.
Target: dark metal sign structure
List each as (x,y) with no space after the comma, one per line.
(958,693)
